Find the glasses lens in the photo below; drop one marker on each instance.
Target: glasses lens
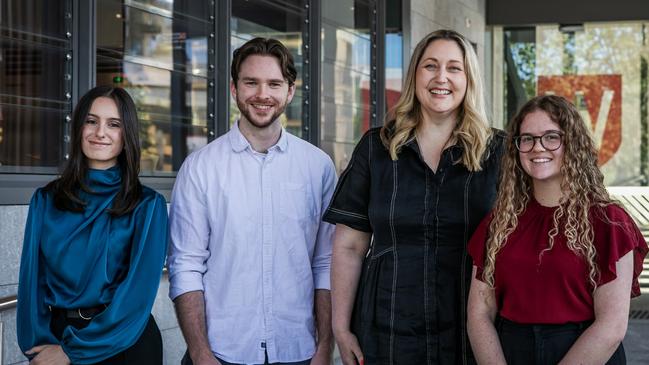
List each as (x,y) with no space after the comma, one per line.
(551,141)
(525,143)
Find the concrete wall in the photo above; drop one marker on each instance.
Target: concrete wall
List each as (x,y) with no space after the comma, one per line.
(12,225)
(464,16)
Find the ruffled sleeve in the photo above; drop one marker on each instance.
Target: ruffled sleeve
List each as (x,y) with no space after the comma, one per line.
(123,321)
(477,245)
(33,315)
(616,234)
(349,205)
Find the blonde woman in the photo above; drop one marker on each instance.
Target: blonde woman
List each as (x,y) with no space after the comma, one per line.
(557,261)
(418,186)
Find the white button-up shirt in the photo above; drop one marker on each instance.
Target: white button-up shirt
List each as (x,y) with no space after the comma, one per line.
(248,232)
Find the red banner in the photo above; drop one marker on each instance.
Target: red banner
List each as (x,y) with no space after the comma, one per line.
(599,98)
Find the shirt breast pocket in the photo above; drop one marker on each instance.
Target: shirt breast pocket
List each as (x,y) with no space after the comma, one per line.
(295,203)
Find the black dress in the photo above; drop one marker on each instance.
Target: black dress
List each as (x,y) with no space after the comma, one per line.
(410,305)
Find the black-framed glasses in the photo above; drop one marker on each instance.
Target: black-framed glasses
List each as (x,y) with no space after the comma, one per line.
(551,141)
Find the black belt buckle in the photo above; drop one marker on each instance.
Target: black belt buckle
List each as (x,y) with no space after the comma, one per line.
(85,314)
(88,313)
(89,316)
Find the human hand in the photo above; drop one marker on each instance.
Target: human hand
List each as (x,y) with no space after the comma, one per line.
(205,359)
(350,350)
(323,355)
(48,355)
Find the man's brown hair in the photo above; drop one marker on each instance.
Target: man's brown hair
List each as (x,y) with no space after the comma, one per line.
(264,47)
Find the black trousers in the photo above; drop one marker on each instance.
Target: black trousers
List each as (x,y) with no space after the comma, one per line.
(544,344)
(147,350)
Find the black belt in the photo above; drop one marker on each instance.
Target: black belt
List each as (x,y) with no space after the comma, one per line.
(80,313)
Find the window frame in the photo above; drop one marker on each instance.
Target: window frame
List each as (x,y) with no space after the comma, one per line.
(17,188)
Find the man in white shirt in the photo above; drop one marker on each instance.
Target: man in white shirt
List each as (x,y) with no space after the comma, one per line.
(250,255)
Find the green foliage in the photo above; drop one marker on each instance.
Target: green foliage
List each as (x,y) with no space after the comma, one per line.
(524,55)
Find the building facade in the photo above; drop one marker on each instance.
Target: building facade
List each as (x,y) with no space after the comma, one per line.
(173,56)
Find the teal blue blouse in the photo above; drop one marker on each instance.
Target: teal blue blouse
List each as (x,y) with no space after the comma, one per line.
(79,260)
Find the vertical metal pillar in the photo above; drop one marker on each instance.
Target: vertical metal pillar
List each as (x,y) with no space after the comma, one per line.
(221,80)
(311,117)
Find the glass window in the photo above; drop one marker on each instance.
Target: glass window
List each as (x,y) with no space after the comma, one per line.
(393,53)
(35,84)
(191,8)
(346,62)
(158,51)
(602,69)
(520,73)
(283,20)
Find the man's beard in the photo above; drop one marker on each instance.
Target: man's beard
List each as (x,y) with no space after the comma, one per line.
(244,109)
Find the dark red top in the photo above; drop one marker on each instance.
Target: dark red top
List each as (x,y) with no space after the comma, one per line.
(554,288)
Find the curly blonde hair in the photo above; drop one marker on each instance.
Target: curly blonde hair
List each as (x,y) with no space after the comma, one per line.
(472,131)
(582,184)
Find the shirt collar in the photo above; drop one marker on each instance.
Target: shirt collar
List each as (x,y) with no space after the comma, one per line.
(240,143)
(412,143)
(455,150)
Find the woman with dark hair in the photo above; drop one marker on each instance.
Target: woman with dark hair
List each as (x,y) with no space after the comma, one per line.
(417,188)
(95,243)
(557,261)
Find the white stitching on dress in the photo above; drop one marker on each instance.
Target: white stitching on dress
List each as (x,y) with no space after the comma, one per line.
(441,183)
(463,272)
(351,214)
(429,350)
(396,259)
(389,249)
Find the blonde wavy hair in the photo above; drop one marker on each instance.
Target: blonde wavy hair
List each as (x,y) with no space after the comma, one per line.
(472,130)
(582,184)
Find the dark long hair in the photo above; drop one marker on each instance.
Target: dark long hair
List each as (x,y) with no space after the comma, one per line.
(66,188)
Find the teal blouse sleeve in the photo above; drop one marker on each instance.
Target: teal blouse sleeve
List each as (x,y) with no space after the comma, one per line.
(120,325)
(33,315)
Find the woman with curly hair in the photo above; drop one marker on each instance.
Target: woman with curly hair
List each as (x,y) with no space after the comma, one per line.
(417,188)
(556,261)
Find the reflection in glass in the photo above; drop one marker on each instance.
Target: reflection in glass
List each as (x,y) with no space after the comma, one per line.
(153,39)
(35,67)
(149,87)
(158,51)
(31,138)
(174,8)
(598,67)
(520,62)
(393,53)
(155,134)
(33,19)
(33,73)
(284,21)
(346,58)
